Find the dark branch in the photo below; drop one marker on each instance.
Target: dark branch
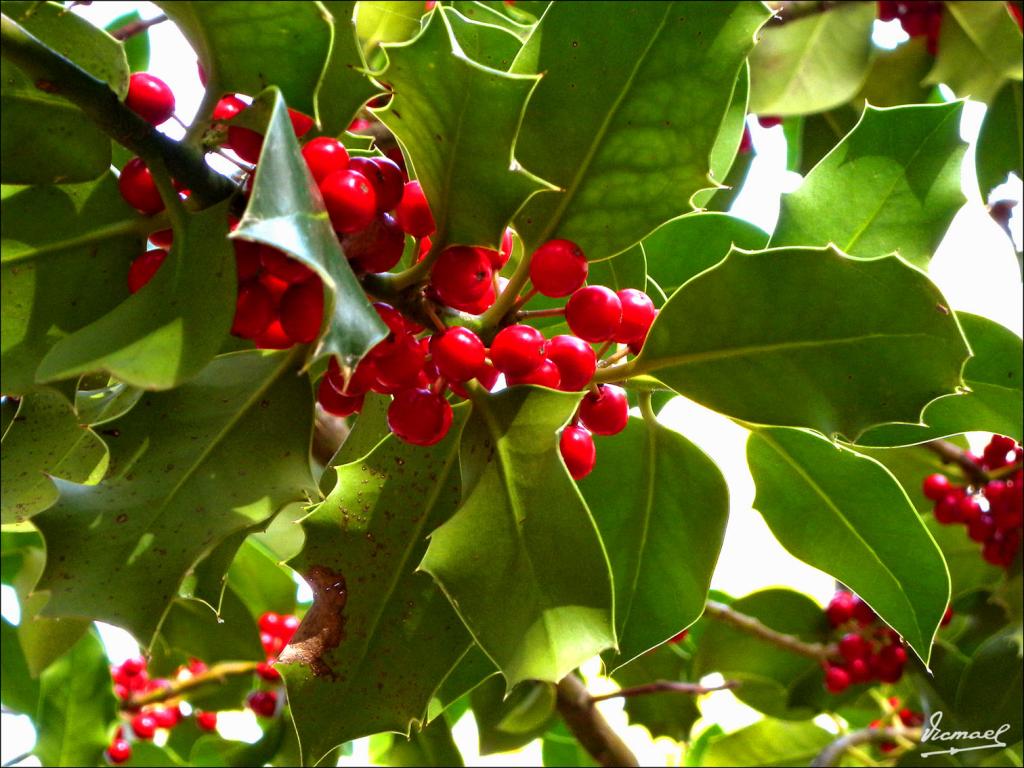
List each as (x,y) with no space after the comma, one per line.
(952,454)
(832,754)
(136,27)
(750,625)
(53,73)
(665,686)
(218,673)
(576,706)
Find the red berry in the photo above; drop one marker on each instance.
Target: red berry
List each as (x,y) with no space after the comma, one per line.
(981,527)
(837,679)
(400,363)
(162,238)
(544,375)
(325,156)
(968,509)
(517,350)
(254,311)
(284,267)
(840,608)
(167,717)
(144,725)
(594,313)
(606,413)
(577,448)
(638,313)
(378,247)
(138,188)
(558,268)
(150,97)
(247,258)
(207,720)
(267,672)
(678,637)
(458,353)
(119,751)
(413,213)
(301,123)
(853,646)
(386,178)
(273,337)
(947,616)
(263,703)
(133,666)
(575,359)
(500,257)
(245,143)
(144,267)
(947,509)
(862,612)
(481,305)
(270,622)
(302,311)
(289,624)
(335,402)
(350,201)
(420,417)
(859,669)
(228,107)
(461,275)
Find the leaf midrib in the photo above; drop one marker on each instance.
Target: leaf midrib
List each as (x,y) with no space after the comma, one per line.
(798,468)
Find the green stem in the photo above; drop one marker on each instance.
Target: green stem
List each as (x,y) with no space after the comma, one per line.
(647,408)
(53,73)
(165,186)
(506,300)
(617,372)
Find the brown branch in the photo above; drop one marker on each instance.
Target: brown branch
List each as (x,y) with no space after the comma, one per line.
(136,27)
(576,706)
(750,625)
(831,754)
(952,454)
(666,686)
(218,673)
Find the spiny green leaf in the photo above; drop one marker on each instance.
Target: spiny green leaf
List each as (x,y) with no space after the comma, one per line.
(654,496)
(494,14)
(488,44)
(212,750)
(769,743)
(684,247)
(845,514)
(390,21)
(812,63)
(259,581)
(990,690)
(172,328)
(757,339)
(76,705)
(136,47)
(188,468)
(895,76)
(20,693)
(501,559)
(244,48)
(46,439)
(636,93)
(433,745)
(893,184)
(457,120)
(286,212)
(472,669)
(979,49)
(392,639)
(995,378)
(345,86)
(508,722)
(66,251)
(773,680)
(730,137)
(1001,139)
(98,406)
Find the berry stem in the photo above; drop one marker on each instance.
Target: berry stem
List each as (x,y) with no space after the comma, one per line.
(576,706)
(390,284)
(507,299)
(218,673)
(752,626)
(833,753)
(647,408)
(137,27)
(614,358)
(616,372)
(659,686)
(204,116)
(952,454)
(526,314)
(54,73)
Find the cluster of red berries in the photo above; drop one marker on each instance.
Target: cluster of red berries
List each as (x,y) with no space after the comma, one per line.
(276,632)
(919,18)
(867,649)
(993,512)
(132,679)
(907,717)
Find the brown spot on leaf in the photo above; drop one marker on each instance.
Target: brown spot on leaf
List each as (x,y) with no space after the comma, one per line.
(323,627)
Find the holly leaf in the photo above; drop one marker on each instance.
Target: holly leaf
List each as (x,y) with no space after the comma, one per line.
(772,680)
(892,184)
(212,750)
(979,49)
(20,692)
(66,251)
(76,705)
(45,440)
(247,48)
(136,47)
(345,86)
(730,138)
(655,495)
(846,515)
(501,558)
(968,571)
(1000,138)
(473,668)
(493,45)
(172,328)
(994,376)
(507,722)
(45,138)
(561,748)
(685,247)
(386,638)
(286,212)
(622,86)
(768,743)
(432,745)
(457,119)
(991,687)
(812,63)
(664,714)
(98,406)
(261,583)
(390,21)
(188,468)
(877,346)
